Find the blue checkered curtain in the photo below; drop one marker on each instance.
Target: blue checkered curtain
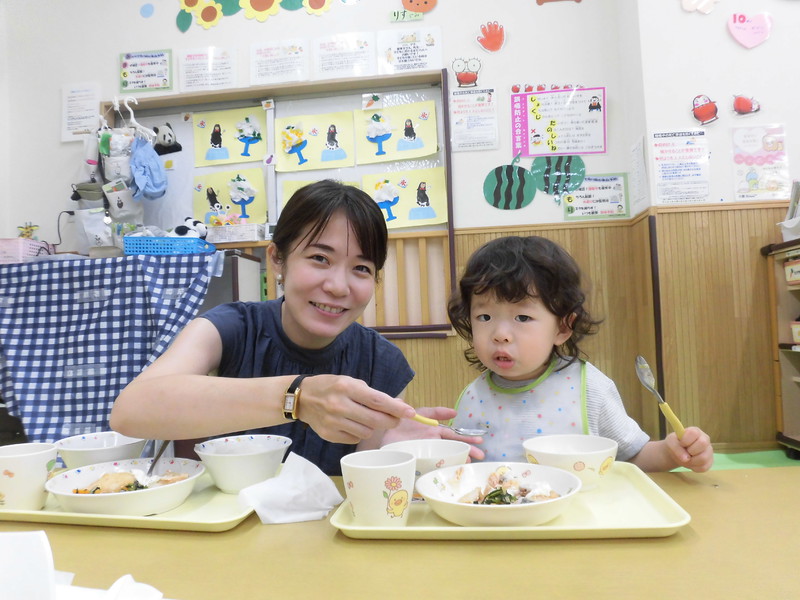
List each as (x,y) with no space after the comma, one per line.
(73,333)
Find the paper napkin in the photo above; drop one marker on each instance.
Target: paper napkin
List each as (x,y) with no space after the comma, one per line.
(300,492)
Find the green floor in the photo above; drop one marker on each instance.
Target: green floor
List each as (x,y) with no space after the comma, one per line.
(749,460)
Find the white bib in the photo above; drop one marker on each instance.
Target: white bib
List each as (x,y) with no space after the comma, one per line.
(554,403)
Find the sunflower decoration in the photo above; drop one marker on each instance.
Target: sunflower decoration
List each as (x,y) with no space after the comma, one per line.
(316,7)
(260,10)
(208,13)
(189,5)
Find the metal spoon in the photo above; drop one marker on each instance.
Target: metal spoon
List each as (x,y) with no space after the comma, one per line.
(458,430)
(161,448)
(649,381)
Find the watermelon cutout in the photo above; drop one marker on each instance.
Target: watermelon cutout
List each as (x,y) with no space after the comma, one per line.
(509,187)
(557,175)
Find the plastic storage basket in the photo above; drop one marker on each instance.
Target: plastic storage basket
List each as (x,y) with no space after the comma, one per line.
(139,244)
(15,250)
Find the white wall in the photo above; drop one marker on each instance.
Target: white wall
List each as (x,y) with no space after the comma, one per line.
(686,54)
(652,56)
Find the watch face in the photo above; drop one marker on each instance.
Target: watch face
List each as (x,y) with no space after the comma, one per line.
(288,402)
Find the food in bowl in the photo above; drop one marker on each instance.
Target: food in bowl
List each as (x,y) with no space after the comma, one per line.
(447,492)
(590,457)
(111,483)
(93,448)
(238,461)
(152,499)
(503,487)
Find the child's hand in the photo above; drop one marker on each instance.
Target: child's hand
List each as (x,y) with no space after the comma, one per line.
(693,450)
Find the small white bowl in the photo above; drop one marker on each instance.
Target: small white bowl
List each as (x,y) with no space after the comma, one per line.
(238,461)
(433,453)
(589,457)
(138,503)
(92,448)
(443,488)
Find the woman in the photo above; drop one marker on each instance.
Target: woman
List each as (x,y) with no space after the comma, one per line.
(328,247)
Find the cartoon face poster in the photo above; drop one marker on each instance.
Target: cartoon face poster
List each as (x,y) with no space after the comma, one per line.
(307,142)
(395,133)
(409,198)
(229,136)
(230,197)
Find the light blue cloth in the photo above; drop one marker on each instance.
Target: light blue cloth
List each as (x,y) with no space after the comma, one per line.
(147,171)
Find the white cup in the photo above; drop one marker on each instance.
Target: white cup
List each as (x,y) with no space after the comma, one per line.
(24,469)
(379,485)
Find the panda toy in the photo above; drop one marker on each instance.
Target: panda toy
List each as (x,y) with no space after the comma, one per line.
(191,228)
(165,140)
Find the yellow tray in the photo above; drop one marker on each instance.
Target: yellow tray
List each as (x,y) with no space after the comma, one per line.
(206,509)
(626,504)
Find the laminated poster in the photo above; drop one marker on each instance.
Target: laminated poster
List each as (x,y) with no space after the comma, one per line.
(230,197)
(229,136)
(473,116)
(409,198)
(279,61)
(760,163)
(395,133)
(149,71)
(406,50)
(207,69)
(307,142)
(347,55)
(681,166)
(598,197)
(559,122)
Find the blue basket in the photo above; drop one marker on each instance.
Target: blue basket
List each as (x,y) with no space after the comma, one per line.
(139,244)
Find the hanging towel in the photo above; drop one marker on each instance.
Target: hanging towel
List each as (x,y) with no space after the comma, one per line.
(149,177)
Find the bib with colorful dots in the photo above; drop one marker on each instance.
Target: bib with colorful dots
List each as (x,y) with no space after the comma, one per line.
(553,403)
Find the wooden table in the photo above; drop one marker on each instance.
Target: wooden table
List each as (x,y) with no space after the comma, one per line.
(742,542)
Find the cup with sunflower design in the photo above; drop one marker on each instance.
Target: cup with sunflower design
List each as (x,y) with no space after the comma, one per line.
(379,485)
(590,457)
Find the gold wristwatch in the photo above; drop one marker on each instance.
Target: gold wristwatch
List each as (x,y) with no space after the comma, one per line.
(291,399)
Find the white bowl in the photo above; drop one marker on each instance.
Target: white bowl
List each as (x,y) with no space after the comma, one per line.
(433,453)
(443,488)
(589,457)
(92,448)
(238,461)
(138,503)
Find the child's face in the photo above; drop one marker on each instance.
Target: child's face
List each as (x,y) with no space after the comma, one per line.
(515,340)
(327,285)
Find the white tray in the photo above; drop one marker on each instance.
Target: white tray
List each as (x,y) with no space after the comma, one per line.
(206,509)
(626,504)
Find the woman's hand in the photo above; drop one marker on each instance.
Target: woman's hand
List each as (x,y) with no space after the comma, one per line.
(346,410)
(409,429)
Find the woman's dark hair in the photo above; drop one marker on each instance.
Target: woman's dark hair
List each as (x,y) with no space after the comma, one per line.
(514,268)
(314,205)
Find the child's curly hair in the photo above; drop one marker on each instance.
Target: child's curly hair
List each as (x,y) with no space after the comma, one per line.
(513,268)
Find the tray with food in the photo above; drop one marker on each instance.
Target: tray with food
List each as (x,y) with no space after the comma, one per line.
(626,504)
(205,509)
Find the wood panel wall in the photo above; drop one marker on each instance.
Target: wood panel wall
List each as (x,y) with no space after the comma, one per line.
(714,306)
(715,310)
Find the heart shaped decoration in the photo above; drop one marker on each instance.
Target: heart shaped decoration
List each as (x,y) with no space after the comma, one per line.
(750,31)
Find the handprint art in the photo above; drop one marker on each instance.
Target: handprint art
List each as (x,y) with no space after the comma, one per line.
(492,36)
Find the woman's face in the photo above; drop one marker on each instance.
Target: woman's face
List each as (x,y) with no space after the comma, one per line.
(327,284)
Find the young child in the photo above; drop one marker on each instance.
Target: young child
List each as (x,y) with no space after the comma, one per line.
(520,306)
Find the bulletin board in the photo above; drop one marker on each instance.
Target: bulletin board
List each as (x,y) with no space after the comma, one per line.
(390,140)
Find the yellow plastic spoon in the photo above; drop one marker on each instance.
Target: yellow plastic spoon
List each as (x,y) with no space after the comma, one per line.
(458,430)
(649,381)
